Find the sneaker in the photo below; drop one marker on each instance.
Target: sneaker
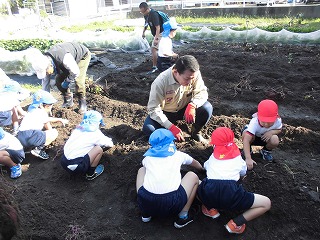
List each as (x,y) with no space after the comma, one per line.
(145,219)
(153,70)
(213,213)
(97,172)
(16,171)
(233,228)
(266,155)
(15,132)
(40,153)
(182,222)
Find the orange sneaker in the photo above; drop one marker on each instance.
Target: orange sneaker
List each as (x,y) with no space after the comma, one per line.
(233,228)
(213,213)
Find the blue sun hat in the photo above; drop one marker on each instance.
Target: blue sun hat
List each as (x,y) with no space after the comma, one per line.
(41,97)
(162,145)
(168,26)
(91,121)
(47,98)
(1,133)
(12,86)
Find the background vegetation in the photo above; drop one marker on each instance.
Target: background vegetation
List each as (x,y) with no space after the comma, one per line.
(294,24)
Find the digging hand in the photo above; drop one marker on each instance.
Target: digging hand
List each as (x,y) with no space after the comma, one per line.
(190,113)
(177,133)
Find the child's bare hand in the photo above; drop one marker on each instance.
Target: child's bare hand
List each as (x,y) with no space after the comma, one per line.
(266,136)
(250,163)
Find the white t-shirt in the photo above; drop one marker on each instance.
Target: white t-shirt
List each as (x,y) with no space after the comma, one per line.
(256,129)
(163,173)
(80,143)
(8,101)
(165,47)
(34,120)
(230,169)
(10,142)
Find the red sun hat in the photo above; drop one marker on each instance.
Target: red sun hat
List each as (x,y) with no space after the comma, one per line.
(224,146)
(267,111)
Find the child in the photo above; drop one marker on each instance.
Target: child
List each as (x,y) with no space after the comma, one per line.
(82,151)
(11,112)
(262,130)
(161,192)
(219,190)
(11,153)
(166,56)
(31,133)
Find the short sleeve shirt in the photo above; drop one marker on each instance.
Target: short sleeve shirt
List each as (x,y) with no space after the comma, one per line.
(256,129)
(34,120)
(80,143)
(165,47)
(163,173)
(153,19)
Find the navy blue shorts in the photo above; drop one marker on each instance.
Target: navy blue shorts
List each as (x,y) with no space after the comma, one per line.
(5,118)
(161,205)
(257,140)
(163,63)
(17,156)
(82,164)
(32,138)
(224,194)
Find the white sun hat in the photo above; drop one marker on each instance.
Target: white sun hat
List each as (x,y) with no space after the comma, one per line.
(40,66)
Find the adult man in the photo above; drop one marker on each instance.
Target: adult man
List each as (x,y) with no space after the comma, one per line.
(69,61)
(155,22)
(179,93)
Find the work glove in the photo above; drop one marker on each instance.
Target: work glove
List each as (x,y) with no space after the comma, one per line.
(190,113)
(177,133)
(65,84)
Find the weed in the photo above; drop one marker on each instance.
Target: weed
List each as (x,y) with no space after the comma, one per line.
(243,84)
(290,57)
(75,232)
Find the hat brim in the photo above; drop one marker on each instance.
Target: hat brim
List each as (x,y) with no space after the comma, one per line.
(267,119)
(225,153)
(161,151)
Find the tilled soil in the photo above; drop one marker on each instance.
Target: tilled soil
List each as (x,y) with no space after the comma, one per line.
(53,205)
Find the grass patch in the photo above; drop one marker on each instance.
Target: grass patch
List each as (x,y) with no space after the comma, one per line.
(98,26)
(294,24)
(31,87)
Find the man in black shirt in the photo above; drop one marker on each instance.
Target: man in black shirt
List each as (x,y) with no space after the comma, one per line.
(155,22)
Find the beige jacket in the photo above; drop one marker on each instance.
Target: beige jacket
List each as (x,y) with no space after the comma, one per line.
(168,95)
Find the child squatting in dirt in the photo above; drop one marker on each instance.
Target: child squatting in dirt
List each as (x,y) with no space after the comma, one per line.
(262,130)
(11,112)
(220,190)
(160,189)
(31,134)
(83,150)
(11,153)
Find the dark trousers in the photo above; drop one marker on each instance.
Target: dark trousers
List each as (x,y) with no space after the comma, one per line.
(203,115)
(163,63)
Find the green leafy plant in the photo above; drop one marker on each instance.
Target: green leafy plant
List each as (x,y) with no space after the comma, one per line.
(22,44)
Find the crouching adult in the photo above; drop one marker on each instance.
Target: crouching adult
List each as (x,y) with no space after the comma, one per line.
(69,61)
(176,94)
